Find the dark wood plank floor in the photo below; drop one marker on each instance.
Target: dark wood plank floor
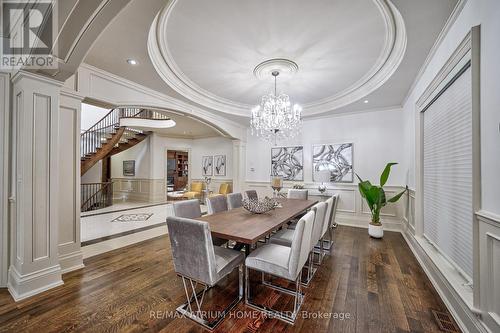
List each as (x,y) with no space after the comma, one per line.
(375,285)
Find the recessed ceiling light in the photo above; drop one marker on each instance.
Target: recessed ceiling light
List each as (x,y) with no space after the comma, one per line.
(132,62)
(365,101)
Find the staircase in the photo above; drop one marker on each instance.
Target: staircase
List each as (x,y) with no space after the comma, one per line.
(106,138)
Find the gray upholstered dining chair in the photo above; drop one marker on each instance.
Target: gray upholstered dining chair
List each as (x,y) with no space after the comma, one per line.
(190,209)
(216,204)
(326,226)
(197,261)
(328,243)
(284,262)
(252,194)
(285,237)
(187,208)
(295,193)
(234,200)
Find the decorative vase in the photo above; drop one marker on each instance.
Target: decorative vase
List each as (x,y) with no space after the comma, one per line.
(375,231)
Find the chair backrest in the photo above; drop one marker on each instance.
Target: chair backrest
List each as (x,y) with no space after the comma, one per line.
(225,188)
(336,199)
(294,193)
(196,186)
(234,200)
(189,209)
(252,194)
(192,249)
(328,215)
(301,244)
(319,221)
(216,204)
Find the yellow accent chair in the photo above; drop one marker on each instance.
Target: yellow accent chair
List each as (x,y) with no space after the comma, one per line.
(195,192)
(224,189)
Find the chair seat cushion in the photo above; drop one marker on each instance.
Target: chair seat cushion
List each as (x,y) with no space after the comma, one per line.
(272,259)
(283,237)
(226,260)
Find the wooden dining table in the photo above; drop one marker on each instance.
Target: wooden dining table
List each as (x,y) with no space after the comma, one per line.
(244,227)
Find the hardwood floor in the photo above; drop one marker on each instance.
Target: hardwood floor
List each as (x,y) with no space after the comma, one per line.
(377,283)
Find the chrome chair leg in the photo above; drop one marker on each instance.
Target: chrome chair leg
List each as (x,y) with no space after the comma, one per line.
(311,270)
(297,293)
(197,316)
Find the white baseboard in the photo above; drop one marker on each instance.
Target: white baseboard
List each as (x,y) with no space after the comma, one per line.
(71,261)
(390,224)
(24,286)
(459,309)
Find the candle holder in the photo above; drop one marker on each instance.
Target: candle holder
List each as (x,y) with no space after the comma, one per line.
(322,176)
(276,185)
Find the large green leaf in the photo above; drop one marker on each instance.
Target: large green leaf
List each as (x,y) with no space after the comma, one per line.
(382,198)
(368,191)
(385,174)
(397,196)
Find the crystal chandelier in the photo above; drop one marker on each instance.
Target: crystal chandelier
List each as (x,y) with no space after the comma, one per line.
(275,119)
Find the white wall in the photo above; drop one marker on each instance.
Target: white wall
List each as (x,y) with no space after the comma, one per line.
(141,153)
(148,184)
(93,175)
(377,137)
(486,13)
(91,115)
(211,147)
(197,147)
(484,298)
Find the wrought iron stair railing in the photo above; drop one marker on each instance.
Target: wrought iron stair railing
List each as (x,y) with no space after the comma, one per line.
(96,196)
(94,138)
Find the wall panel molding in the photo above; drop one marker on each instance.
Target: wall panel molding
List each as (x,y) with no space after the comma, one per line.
(459,299)
(351,210)
(4,175)
(34,197)
(70,254)
(139,189)
(489,267)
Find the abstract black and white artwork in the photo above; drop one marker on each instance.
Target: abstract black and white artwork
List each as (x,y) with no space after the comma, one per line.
(219,165)
(288,162)
(336,158)
(207,165)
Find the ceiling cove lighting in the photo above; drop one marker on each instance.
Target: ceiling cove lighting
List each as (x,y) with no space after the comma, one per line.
(132,61)
(275,118)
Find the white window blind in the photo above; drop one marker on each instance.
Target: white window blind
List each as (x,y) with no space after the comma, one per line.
(447,190)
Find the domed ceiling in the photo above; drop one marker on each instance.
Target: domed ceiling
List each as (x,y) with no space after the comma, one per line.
(204,52)
(344,49)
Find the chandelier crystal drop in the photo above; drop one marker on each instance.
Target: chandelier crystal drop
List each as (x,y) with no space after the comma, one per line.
(275,118)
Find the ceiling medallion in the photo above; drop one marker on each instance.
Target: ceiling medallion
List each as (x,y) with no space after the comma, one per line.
(284,67)
(275,119)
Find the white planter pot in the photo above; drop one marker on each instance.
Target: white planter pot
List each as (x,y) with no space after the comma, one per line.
(375,231)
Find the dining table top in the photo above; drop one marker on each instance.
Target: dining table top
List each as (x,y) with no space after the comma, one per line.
(242,226)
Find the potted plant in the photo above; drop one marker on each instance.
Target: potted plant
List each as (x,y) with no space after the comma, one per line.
(376,199)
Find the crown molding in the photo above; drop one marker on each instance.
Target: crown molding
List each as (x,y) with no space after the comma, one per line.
(387,63)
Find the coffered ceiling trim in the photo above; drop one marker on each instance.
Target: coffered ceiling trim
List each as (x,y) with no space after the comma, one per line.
(386,64)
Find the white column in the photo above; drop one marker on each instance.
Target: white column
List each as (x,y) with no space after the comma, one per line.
(34,264)
(4,175)
(70,254)
(239,165)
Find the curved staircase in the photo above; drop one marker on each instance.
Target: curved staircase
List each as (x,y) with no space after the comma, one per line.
(106,138)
